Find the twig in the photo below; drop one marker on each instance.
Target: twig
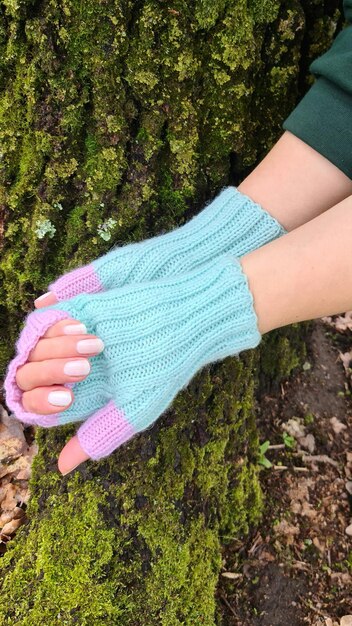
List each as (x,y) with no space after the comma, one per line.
(277,446)
(294,468)
(258,540)
(228,605)
(312,608)
(301,565)
(328,554)
(318,458)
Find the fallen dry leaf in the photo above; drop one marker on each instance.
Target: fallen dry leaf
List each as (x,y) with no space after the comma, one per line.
(346,358)
(343,578)
(287,531)
(266,556)
(11,527)
(12,440)
(337,426)
(9,501)
(308,442)
(22,463)
(340,322)
(15,469)
(319,545)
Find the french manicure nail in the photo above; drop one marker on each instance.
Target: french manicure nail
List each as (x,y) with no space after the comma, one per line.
(90,346)
(71,469)
(59,398)
(77,368)
(75,329)
(45,295)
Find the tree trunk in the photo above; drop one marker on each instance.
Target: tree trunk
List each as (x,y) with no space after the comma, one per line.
(119,120)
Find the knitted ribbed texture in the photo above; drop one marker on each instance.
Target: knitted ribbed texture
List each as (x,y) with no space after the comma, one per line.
(157,335)
(232,223)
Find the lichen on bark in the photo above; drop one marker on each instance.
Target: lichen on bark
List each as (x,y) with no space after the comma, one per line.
(137,112)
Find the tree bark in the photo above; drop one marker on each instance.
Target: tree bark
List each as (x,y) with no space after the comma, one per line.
(119,120)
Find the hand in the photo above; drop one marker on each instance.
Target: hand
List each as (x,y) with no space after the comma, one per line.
(157,335)
(57,360)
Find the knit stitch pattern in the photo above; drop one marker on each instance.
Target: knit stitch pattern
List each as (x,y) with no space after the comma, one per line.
(231,223)
(157,335)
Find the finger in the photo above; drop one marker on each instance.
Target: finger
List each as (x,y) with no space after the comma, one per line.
(37,323)
(46,299)
(98,436)
(51,372)
(47,400)
(67,326)
(66,347)
(71,456)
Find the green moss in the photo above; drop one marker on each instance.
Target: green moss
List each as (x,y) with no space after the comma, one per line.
(281,352)
(247,499)
(140,537)
(322,33)
(70,552)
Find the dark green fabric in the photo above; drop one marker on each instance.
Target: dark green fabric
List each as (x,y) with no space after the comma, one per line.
(323,118)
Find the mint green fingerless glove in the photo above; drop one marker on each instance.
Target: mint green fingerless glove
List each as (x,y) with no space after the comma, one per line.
(157,335)
(232,223)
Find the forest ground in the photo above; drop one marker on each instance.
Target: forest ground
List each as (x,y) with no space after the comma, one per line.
(296,567)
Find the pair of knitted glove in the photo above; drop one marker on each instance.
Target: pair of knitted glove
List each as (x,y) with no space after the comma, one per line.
(164,308)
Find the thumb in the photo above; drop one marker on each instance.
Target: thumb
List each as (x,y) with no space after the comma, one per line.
(97,437)
(71,456)
(47,299)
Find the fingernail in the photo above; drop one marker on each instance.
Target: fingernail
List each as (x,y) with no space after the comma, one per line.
(75,329)
(71,469)
(59,398)
(77,368)
(90,346)
(45,295)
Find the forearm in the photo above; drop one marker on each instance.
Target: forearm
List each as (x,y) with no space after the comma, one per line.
(295,183)
(305,274)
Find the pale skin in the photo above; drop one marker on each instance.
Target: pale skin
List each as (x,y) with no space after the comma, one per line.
(303,275)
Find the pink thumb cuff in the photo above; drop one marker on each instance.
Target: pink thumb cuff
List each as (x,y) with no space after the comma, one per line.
(104,431)
(36,326)
(81,280)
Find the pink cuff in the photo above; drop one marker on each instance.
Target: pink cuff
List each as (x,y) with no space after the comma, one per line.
(35,327)
(81,280)
(104,431)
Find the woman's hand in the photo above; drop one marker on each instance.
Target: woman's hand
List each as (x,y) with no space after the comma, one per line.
(157,336)
(60,356)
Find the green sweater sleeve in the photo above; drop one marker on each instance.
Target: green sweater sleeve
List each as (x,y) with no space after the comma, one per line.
(323,118)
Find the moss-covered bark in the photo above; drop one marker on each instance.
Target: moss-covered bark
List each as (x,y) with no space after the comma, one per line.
(118,119)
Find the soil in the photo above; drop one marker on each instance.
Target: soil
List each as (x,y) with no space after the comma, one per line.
(296,567)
